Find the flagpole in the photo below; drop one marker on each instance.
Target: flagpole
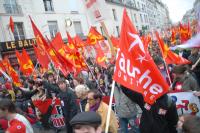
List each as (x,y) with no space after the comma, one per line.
(110,107)
(6,75)
(108,37)
(194,66)
(58,74)
(92,74)
(34,68)
(170,81)
(48,53)
(10,33)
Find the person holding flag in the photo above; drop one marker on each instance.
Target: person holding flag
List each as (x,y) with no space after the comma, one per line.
(142,82)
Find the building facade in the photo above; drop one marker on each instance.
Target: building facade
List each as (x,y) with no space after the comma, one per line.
(158,14)
(193,16)
(189,16)
(52,16)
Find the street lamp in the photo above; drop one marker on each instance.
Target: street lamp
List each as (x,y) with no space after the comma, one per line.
(68,22)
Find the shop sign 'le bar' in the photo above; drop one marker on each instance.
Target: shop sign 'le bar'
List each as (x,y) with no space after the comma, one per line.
(17,45)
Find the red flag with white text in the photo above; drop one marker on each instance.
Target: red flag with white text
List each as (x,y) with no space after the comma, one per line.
(135,68)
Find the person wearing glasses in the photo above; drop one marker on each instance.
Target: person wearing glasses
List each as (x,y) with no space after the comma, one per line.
(95,104)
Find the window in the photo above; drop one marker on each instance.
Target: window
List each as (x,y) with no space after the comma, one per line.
(53,28)
(135,16)
(145,18)
(141,18)
(142,7)
(117,28)
(48,5)
(78,28)
(11,7)
(19,31)
(114,14)
(138,5)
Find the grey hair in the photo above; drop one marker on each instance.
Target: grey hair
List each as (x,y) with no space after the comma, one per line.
(81,89)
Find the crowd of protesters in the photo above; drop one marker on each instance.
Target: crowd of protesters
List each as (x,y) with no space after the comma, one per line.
(53,103)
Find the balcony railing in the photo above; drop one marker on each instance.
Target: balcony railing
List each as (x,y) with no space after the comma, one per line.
(126,4)
(12,9)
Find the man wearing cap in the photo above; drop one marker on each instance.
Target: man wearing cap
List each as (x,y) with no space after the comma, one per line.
(86,122)
(183,80)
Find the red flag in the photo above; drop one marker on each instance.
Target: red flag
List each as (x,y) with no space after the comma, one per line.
(42,57)
(94,36)
(74,58)
(173,58)
(13,74)
(58,43)
(70,45)
(57,61)
(2,66)
(78,42)
(56,116)
(184,33)
(173,36)
(115,41)
(100,56)
(41,42)
(169,56)
(12,26)
(135,69)
(26,65)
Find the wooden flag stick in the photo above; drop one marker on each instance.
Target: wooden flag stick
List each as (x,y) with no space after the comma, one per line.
(92,74)
(108,37)
(110,107)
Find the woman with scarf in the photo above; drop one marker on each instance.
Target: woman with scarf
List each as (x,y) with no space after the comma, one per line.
(95,103)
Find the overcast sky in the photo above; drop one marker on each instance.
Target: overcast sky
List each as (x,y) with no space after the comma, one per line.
(177,8)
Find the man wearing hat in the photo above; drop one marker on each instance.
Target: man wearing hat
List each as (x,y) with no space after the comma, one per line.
(183,80)
(86,122)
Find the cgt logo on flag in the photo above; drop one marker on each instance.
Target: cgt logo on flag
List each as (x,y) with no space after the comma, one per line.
(135,69)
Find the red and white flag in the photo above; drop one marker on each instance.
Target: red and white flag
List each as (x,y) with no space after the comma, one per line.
(135,69)
(192,43)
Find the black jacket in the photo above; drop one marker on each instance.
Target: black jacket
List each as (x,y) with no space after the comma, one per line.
(51,88)
(69,107)
(151,120)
